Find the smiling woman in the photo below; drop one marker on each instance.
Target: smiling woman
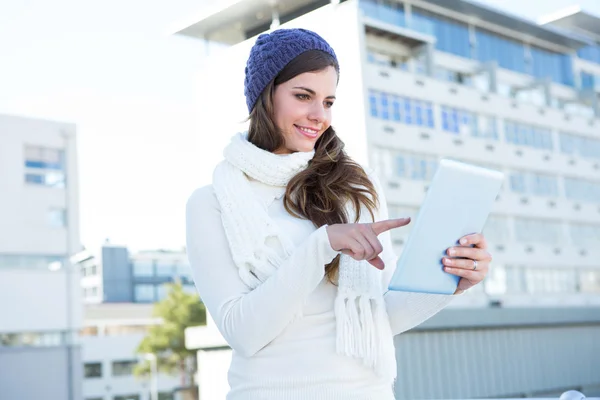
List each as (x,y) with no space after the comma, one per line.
(289,244)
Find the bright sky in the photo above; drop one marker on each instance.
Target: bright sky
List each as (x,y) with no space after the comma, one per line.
(111,68)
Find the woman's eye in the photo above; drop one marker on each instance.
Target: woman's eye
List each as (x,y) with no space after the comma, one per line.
(303,96)
(329,104)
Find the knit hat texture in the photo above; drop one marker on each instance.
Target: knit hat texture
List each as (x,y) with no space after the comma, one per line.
(272,52)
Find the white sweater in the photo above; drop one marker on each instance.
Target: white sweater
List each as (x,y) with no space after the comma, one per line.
(277,357)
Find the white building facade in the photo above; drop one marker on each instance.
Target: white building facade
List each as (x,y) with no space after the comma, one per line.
(110,337)
(40,314)
(426,80)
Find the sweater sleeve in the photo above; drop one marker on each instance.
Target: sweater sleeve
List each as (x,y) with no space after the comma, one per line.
(248,319)
(405,309)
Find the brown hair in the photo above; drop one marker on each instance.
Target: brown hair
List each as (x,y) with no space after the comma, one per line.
(321,191)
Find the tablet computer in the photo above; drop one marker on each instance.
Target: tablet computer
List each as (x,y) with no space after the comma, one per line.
(457,203)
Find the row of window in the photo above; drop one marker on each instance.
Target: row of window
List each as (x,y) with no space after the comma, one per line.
(401,109)
(113,330)
(32,339)
(455,37)
(161,396)
(118,368)
(498,230)
(535,281)
(150,293)
(481,81)
(578,145)
(22,261)
(422,168)
(159,268)
(522,134)
(410,111)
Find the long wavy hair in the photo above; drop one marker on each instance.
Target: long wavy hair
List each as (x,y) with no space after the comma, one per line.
(321,192)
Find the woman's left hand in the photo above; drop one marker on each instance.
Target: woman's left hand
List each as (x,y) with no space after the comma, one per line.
(472,264)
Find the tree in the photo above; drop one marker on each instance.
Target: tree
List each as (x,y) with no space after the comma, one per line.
(178,310)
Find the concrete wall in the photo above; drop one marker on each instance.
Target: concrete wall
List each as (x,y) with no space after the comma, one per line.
(39,373)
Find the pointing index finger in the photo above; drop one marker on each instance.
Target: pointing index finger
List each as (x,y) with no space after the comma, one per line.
(382,226)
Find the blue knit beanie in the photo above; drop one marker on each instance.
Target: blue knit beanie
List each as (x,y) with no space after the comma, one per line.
(272,52)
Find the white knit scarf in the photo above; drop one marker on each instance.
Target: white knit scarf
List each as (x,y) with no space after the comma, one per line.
(363,329)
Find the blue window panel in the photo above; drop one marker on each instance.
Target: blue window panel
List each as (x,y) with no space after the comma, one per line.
(517,183)
(43,165)
(373,103)
(396,109)
(408,112)
(445,119)
(418,113)
(454,121)
(430,122)
(385,113)
(35,178)
(401,166)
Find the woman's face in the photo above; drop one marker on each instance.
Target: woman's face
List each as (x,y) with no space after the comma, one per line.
(302,109)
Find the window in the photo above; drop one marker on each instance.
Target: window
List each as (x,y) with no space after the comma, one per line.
(165,396)
(161,292)
(585,147)
(57,217)
(495,282)
(144,293)
(452,36)
(92,370)
(416,167)
(544,280)
(165,268)
(373,103)
(578,189)
(127,397)
(547,64)
(535,184)
(143,268)
(123,368)
(117,330)
(44,158)
(44,166)
(94,398)
(530,230)
(528,135)
(590,53)
(589,281)
(183,270)
(587,235)
(390,12)
(496,229)
(506,52)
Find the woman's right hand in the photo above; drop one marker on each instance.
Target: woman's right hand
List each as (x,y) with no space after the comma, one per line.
(360,241)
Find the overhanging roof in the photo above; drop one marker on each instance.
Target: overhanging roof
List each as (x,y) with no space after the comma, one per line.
(575,19)
(228,19)
(512,22)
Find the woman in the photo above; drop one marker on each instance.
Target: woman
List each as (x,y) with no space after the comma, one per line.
(284,245)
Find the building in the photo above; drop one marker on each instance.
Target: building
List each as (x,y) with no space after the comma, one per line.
(109,339)
(115,275)
(118,289)
(39,230)
(423,80)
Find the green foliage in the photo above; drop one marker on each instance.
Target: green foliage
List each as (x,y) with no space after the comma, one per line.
(178,310)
